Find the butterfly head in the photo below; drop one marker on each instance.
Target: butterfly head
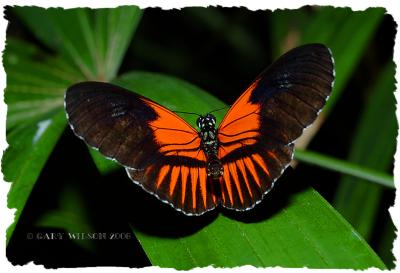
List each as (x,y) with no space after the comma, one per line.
(205,122)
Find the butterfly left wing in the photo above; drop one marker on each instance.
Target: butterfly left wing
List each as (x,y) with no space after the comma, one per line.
(160,151)
(257,134)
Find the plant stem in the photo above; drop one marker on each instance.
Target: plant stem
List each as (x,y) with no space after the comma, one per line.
(344,167)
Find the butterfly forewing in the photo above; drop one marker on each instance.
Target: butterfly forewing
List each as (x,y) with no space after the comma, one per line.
(257,133)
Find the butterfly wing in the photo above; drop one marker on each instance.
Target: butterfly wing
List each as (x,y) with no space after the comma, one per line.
(160,151)
(257,134)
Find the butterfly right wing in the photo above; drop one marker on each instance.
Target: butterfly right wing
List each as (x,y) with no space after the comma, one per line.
(159,150)
(257,134)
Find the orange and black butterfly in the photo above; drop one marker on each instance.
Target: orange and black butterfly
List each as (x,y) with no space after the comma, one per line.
(194,171)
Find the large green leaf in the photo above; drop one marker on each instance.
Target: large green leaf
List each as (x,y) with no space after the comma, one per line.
(304,232)
(35,117)
(95,41)
(92,45)
(30,144)
(351,194)
(33,88)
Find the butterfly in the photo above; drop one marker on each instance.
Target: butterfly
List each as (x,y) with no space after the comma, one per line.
(195,171)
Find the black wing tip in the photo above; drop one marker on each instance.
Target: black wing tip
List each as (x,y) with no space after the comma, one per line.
(80,86)
(316,48)
(77,89)
(86,85)
(313,45)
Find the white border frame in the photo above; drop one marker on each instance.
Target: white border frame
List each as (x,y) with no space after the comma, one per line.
(7,216)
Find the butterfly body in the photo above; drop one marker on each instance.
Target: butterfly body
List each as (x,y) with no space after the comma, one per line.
(209,144)
(233,165)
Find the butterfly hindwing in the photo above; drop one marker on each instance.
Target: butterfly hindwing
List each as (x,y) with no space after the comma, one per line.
(160,151)
(256,136)
(183,185)
(249,173)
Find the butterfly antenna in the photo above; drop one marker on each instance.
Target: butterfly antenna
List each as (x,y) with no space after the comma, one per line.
(219,109)
(181,112)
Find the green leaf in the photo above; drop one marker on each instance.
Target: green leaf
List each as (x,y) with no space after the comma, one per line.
(95,41)
(345,167)
(104,165)
(304,232)
(377,125)
(35,117)
(347,34)
(30,144)
(344,31)
(92,47)
(33,88)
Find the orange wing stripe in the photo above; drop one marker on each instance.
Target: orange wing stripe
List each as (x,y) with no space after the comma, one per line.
(227,148)
(148,169)
(203,185)
(163,172)
(257,158)
(228,183)
(273,155)
(214,197)
(235,178)
(174,178)
(194,176)
(242,169)
(179,145)
(172,133)
(252,169)
(236,112)
(166,116)
(241,125)
(221,180)
(184,176)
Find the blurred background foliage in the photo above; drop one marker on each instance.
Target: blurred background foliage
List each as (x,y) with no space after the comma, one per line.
(57,186)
